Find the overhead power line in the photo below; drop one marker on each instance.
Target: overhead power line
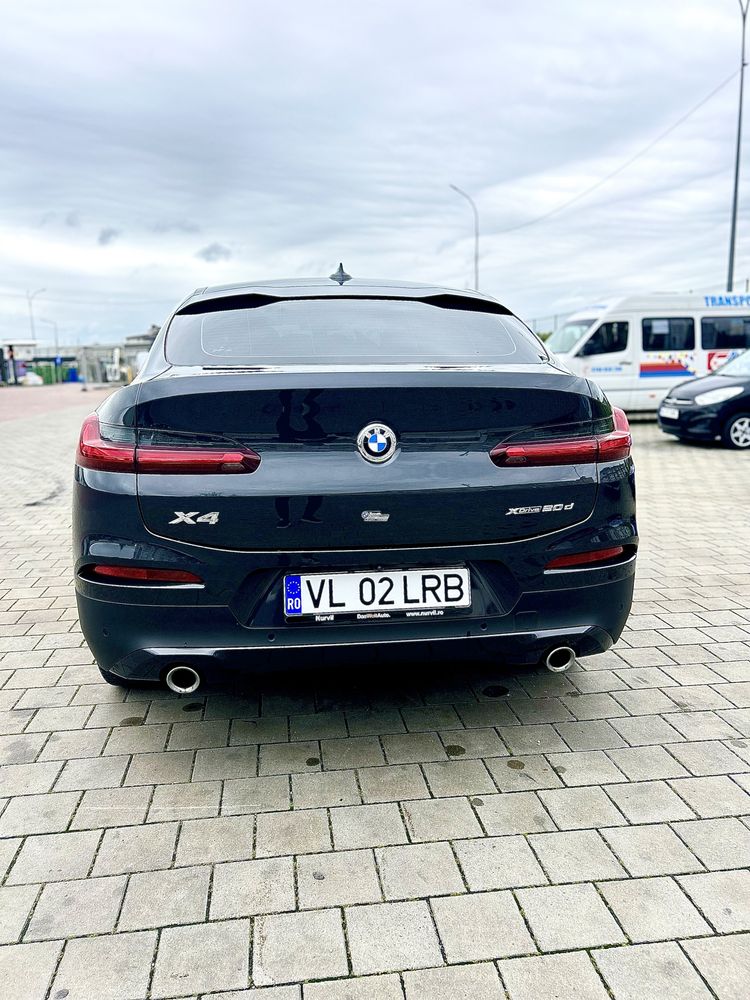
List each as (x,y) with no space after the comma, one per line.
(623,166)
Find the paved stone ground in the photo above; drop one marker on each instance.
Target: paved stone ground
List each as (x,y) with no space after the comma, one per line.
(431,832)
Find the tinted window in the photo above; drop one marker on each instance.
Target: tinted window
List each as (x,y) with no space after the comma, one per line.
(609,337)
(668,334)
(349,332)
(725,332)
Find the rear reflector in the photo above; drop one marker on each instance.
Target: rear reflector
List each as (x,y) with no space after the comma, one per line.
(96,452)
(149,575)
(586,558)
(595,448)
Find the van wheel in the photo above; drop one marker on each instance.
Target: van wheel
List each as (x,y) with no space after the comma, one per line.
(736,433)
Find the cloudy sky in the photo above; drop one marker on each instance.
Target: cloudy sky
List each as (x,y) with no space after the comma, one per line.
(151,147)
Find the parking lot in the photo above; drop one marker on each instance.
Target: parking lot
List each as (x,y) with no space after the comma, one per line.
(447,832)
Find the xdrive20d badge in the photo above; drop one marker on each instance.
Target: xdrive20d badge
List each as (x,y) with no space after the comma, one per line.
(348,462)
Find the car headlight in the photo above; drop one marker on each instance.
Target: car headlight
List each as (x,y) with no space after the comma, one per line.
(718,395)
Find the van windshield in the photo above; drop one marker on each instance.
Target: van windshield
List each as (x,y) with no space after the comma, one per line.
(565,337)
(737,366)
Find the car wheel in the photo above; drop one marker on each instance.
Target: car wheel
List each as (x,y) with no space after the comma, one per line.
(736,433)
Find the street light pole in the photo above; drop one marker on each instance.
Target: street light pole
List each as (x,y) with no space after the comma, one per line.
(476,227)
(30,296)
(733,230)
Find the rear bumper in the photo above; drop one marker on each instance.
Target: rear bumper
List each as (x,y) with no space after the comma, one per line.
(586,611)
(236,618)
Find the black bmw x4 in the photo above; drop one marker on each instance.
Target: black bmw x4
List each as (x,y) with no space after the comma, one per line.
(342,462)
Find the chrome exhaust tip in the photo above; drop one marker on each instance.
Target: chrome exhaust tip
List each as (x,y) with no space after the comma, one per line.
(558,660)
(182,679)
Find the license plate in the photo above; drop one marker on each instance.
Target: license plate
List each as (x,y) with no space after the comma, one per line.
(399,590)
(670,412)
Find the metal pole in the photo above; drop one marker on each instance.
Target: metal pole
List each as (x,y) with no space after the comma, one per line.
(53,324)
(735,195)
(30,296)
(470,200)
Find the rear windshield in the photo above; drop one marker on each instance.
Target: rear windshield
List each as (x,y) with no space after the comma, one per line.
(348,332)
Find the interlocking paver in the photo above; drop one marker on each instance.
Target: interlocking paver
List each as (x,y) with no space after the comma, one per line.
(38,813)
(202,958)
(339,878)
(580,808)
(414,871)
(77,909)
(520,774)
(649,802)
(367,826)
(55,856)
(303,832)
(552,977)
(713,796)
(16,903)
(223,838)
(723,897)
(108,967)
(482,925)
(398,782)
(26,969)
(390,937)
(459,777)
(460,982)
(293,947)
(516,812)
(498,863)
(441,819)
(724,962)
(718,843)
(654,909)
(576,856)
(135,849)
(248,888)
(156,899)
(325,788)
(386,987)
(563,917)
(650,970)
(651,850)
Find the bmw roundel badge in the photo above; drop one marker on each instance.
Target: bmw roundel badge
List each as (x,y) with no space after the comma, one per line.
(376,443)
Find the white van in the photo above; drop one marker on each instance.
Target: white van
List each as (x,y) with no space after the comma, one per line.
(638,347)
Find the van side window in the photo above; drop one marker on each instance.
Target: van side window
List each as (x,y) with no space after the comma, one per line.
(725,332)
(668,334)
(607,338)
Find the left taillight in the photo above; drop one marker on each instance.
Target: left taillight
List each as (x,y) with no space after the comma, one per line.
(99,448)
(104,453)
(606,447)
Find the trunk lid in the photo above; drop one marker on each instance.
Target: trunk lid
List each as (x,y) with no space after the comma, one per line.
(314,491)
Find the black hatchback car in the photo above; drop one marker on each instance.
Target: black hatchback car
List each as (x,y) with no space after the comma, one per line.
(716,407)
(323,462)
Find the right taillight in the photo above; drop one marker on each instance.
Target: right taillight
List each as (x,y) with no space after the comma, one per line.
(609,447)
(109,455)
